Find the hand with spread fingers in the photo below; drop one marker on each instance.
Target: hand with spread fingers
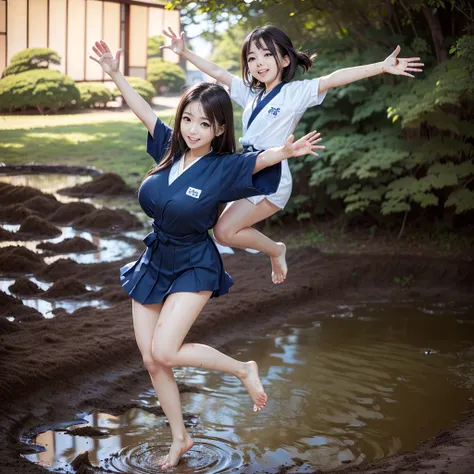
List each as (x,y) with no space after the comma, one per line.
(304,146)
(177,42)
(106,59)
(399,66)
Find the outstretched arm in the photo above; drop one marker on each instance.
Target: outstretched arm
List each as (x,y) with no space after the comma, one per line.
(178,46)
(391,65)
(136,102)
(304,146)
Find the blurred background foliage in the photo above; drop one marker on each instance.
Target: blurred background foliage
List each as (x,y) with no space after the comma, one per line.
(398,150)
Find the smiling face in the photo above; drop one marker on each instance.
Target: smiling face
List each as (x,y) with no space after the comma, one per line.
(197,130)
(264,66)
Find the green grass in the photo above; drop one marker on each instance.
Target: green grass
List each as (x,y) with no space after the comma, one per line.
(113,146)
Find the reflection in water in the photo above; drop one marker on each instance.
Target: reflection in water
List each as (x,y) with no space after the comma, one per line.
(46,307)
(109,249)
(51,183)
(47,183)
(344,387)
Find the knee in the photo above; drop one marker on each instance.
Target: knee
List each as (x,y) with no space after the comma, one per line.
(162,357)
(222,233)
(152,366)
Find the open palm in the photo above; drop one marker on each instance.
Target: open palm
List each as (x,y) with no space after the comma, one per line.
(177,42)
(399,66)
(106,59)
(304,146)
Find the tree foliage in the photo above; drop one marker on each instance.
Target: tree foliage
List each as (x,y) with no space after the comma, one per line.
(31,58)
(93,95)
(142,86)
(165,75)
(43,89)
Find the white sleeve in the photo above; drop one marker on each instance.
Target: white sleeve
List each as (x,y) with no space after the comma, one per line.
(305,94)
(239,92)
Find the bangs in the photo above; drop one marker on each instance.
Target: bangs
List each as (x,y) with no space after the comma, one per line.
(262,40)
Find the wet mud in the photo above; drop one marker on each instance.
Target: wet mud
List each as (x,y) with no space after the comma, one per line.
(108,184)
(88,360)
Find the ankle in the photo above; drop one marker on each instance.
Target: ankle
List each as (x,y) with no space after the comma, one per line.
(242,371)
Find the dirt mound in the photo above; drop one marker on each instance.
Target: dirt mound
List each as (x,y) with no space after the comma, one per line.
(114,294)
(43,205)
(70,211)
(108,220)
(62,268)
(86,431)
(25,287)
(66,287)
(7,327)
(74,245)
(10,194)
(39,227)
(19,260)
(5,235)
(14,214)
(109,184)
(13,307)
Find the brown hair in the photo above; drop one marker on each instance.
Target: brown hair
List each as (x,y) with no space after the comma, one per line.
(272,38)
(217,107)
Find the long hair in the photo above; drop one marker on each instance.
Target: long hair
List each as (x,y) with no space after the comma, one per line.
(272,38)
(217,107)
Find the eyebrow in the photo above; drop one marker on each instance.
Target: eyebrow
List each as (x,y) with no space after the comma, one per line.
(263,49)
(189,113)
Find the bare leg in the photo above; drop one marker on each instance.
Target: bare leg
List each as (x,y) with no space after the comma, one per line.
(145,319)
(177,317)
(234,229)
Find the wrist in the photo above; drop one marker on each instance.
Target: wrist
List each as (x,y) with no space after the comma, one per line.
(114,74)
(185,53)
(381,68)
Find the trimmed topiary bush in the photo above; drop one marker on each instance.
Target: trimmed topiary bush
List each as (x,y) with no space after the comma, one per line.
(43,89)
(93,95)
(165,75)
(31,58)
(143,87)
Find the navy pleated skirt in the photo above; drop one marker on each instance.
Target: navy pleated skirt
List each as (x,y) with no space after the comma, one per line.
(175,263)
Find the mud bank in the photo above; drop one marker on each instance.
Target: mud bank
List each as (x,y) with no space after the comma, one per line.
(108,184)
(54,368)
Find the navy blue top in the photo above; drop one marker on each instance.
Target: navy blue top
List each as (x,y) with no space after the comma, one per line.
(180,255)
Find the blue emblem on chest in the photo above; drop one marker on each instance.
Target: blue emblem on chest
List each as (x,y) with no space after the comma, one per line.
(274,111)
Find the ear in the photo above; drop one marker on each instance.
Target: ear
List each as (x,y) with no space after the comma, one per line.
(220,130)
(286,61)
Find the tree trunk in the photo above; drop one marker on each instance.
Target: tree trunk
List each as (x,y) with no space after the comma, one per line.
(437,34)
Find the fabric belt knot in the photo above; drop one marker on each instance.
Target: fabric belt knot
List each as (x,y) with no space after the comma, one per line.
(159,236)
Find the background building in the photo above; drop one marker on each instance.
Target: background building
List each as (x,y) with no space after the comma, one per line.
(70,27)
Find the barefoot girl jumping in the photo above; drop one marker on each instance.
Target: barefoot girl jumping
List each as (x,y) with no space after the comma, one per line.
(273,107)
(197,168)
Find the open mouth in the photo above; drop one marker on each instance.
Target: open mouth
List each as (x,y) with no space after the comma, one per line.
(262,72)
(193,140)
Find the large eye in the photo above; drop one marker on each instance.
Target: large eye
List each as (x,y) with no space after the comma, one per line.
(186,119)
(205,125)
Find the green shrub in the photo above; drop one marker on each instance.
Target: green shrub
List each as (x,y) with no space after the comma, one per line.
(142,86)
(93,94)
(43,89)
(154,43)
(31,58)
(165,75)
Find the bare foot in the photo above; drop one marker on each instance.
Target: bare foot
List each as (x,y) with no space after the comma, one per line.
(251,382)
(279,268)
(178,448)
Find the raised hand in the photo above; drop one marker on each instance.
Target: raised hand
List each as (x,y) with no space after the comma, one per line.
(177,42)
(399,66)
(304,146)
(106,60)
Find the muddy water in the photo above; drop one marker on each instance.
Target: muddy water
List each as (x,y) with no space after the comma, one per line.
(108,249)
(347,386)
(52,183)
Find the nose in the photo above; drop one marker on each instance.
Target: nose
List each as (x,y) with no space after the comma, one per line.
(194,128)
